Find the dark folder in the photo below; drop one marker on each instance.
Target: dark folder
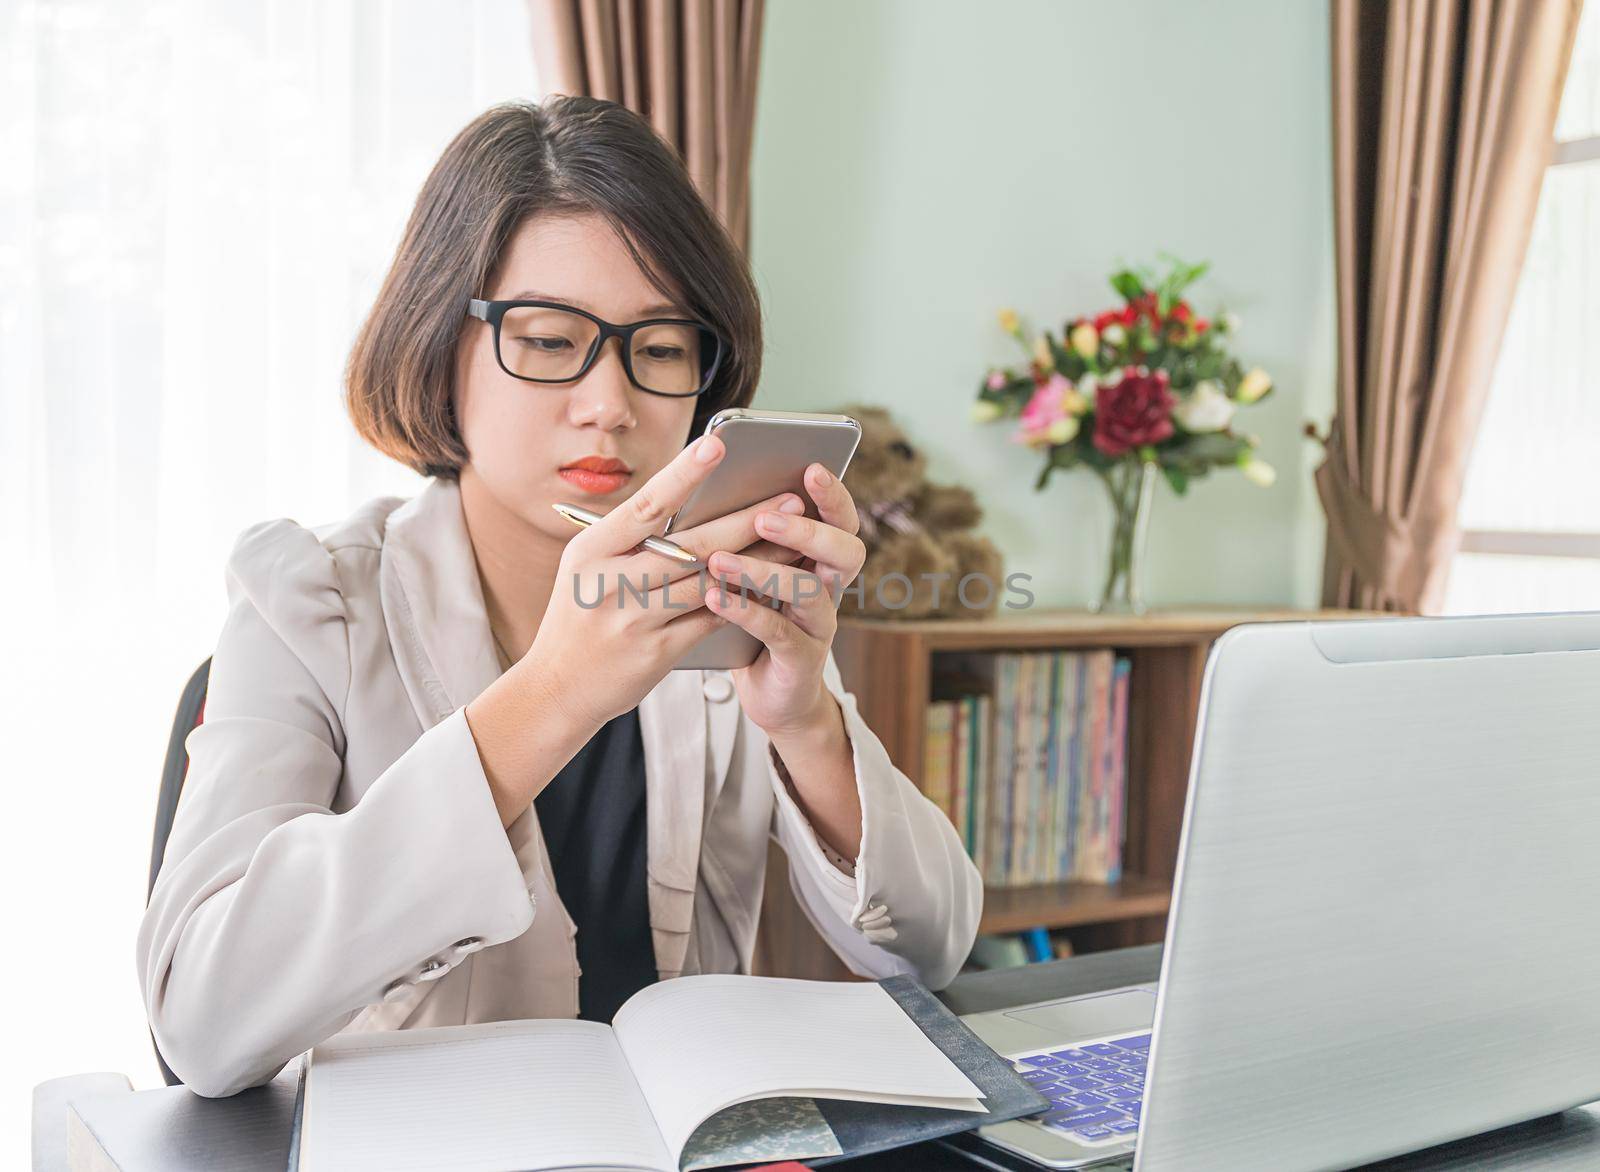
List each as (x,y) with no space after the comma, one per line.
(862,1128)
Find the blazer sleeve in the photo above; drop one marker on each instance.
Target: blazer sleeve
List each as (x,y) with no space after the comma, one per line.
(911,901)
(275,920)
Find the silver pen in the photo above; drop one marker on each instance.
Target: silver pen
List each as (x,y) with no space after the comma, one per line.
(671,549)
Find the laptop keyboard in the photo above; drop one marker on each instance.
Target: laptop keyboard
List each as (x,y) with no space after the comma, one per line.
(1095,1088)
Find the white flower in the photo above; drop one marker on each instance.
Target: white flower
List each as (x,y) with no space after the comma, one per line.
(1230,322)
(1254,385)
(1259,472)
(1062,430)
(985,411)
(1207,408)
(1114,334)
(1085,340)
(1042,353)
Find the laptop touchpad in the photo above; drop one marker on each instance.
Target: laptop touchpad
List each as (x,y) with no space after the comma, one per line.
(1096,1014)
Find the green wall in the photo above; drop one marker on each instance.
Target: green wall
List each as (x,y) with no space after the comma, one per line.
(920,164)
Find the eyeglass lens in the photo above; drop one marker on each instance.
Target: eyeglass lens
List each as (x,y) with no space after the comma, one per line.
(544,343)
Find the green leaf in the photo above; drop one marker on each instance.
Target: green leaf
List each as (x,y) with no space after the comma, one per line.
(1127,283)
(1093,456)
(1064,455)
(1179,277)
(1068,362)
(1178,479)
(1195,454)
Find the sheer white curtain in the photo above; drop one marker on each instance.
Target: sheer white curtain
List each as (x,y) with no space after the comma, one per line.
(1530,515)
(197,201)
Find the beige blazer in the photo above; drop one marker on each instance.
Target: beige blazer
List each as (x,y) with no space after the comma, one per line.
(337,862)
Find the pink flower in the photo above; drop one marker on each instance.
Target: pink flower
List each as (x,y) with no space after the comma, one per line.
(996,380)
(1044,409)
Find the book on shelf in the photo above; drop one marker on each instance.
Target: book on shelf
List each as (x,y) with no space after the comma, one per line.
(960,771)
(1001,951)
(1037,943)
(980,711)
(1006,950)
(1026,752)
(938,777)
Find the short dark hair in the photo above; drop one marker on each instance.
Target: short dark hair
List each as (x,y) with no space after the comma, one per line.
(566,155)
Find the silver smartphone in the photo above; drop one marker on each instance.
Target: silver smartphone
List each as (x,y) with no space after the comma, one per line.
(767,453)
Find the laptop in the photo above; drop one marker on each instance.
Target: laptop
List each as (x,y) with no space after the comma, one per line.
(1385,927)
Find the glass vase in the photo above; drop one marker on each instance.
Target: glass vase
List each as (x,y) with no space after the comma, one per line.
(1130,484)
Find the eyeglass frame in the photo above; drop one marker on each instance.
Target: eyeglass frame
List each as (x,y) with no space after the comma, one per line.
(494,312)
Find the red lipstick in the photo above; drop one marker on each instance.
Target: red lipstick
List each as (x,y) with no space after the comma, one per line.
(596,474)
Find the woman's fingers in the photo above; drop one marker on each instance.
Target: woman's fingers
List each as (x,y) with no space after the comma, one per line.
(835,505)
(807,596)
(645,512)
(736,530)
(784,639)
(660,597)
(683,631)
(675,583)
(837,555)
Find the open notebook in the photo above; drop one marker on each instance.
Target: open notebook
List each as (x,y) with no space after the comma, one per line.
(566,1094)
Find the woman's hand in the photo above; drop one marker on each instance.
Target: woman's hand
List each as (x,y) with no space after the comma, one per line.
(782,691)
(619,617)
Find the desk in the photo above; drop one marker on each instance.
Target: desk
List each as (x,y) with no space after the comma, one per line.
(1568,1142)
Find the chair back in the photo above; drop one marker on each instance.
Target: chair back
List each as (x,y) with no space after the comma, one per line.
(191,711)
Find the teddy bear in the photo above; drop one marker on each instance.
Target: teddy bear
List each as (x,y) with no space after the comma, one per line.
(921,531)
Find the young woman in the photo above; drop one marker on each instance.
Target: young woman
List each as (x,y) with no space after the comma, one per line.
(435,783)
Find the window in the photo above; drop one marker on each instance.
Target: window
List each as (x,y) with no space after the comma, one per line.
(1530,512)
(197,202)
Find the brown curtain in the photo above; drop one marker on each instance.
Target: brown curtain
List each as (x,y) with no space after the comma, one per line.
(688,66)
(1443,114)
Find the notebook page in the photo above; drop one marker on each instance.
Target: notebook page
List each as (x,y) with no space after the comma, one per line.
(547,1093)
(698,1044)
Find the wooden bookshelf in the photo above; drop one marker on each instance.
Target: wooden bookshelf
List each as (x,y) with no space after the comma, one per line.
(890,667)
(1073,905)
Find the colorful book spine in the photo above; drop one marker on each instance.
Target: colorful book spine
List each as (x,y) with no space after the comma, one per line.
(1039,828)
(937,729)
(1031,766)
(1037,943)
(1022,770)
(1119,770)
(1002,768)
(1067,796)
(960,774)
(1050,851)
(980,786)
(1092,807)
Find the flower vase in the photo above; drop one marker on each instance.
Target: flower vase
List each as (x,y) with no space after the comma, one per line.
(1130,483)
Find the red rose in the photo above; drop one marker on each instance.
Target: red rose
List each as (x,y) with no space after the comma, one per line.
(1102,320)
(1133,412)
(1181,312)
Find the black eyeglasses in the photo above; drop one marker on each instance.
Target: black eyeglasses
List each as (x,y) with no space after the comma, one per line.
(547,342)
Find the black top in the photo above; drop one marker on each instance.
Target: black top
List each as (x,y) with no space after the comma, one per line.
(593,818)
